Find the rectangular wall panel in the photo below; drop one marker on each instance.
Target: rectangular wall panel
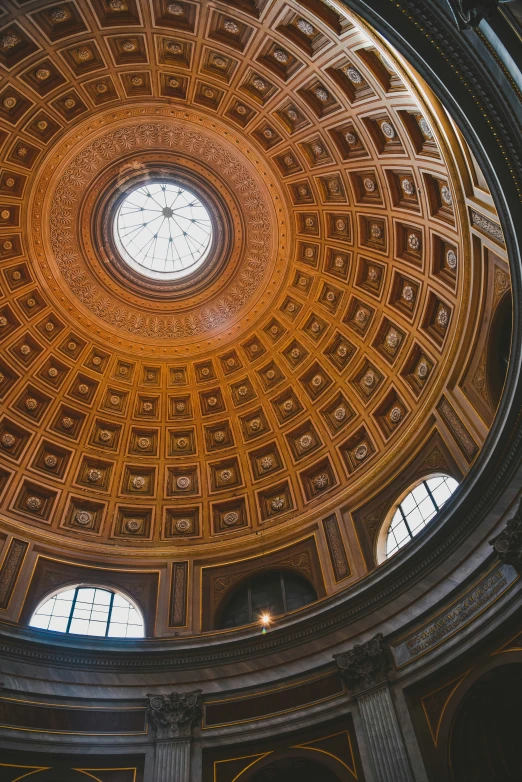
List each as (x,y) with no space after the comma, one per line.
(336,548)
(10,569)
(178,595)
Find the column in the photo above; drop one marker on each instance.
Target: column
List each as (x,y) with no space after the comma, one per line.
(384,737)
(173,718)
(365,668)
(172,762)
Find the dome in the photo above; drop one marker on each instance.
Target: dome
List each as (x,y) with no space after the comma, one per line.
(258,285)
(244,388)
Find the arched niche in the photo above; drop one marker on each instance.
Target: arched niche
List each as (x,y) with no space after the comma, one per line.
(297,765)
(485,733)
(60,774)
(272,592)
(499,347)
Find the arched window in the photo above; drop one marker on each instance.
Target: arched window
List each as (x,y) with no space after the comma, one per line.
(88,610)
(273,593)
(412,514)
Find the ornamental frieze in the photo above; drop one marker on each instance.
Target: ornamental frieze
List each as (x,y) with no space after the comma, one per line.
(70,244)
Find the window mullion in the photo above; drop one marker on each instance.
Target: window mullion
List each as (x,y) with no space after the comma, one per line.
(432,498)
(405,520)
(72,609)
(109,616)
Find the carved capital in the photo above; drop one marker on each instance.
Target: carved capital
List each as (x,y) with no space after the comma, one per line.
(508,545)
(470,13)
(174,715)
(365,665)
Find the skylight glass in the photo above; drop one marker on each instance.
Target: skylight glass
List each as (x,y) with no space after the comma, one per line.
(163,231)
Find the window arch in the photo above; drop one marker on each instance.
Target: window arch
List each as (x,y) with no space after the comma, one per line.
(89,610)
(418,507)
(269,594)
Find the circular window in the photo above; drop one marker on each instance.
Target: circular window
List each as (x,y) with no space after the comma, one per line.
(163,230)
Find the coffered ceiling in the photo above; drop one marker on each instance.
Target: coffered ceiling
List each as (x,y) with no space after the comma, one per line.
(304,368)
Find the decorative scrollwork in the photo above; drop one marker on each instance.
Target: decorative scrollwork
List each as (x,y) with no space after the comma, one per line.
(508,545)
(174,715)
(170,137)
(470,13)
(365,665)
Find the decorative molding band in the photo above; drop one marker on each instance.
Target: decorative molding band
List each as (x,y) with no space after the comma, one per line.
(487,226)
(462,437)
(146,656)
(10,569)
(35,716)
(455,616)
(336,548)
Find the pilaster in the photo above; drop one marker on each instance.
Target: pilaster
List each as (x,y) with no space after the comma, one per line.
(173,717)
(365,669)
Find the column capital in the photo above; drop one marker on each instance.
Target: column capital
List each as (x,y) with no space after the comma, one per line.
(365,665)
(508,544)
(174,716)
(470,13)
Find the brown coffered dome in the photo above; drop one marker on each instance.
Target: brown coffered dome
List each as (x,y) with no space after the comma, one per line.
(330,347)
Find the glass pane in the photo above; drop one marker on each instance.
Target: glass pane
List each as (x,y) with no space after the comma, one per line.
(427,508)
(62,608)
(117,630)
(58,624)
(80,626)
(86,595)
(120,614)
(47,609)
(414,518)
(123,614)
(442,489)
(40,621)
(134,632)
(97,628)
(401,532)
(91,613)
(266,595)
(408,503)
(102,597)
(419,493)
(419,509)
(99,616)
(67,594)
(163,230)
